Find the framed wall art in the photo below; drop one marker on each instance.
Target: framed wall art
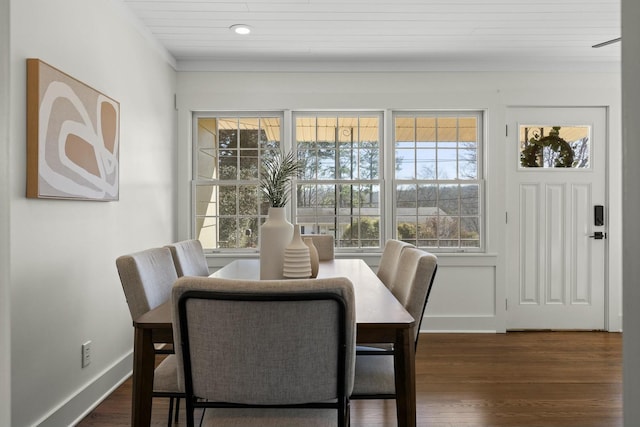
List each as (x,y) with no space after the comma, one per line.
(72,137)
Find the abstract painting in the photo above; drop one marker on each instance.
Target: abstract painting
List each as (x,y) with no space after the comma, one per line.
(72,137)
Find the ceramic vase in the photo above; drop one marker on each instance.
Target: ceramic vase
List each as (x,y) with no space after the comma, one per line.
(313,255)
(275,235)
(297,262)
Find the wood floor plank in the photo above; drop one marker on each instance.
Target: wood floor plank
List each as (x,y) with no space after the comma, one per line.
(518,379)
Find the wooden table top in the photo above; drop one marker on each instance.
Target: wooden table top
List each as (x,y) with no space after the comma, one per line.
(376,307)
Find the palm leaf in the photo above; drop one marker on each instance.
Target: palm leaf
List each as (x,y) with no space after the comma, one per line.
(275,178)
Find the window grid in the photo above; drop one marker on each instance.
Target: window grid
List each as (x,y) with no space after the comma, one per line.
(338,191)
(228,207)
(435,177)
(437,184)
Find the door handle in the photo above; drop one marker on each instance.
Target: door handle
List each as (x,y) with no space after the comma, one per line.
(598,235)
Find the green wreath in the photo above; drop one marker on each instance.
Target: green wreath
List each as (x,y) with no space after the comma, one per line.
(533,150)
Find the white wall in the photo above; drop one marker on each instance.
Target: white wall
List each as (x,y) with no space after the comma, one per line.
(5,337)
(64,285)
(469,291)
(631,209)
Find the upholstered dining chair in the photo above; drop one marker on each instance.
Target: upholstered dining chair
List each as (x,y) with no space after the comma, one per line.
(389,260)
(324,243)
(375,377)
(147,278)
(189,258)
(265,353)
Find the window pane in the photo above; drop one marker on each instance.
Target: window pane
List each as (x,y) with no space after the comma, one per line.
(406,227)
(369,130)
(309,163)
(228,233)
(249,164)
(447,163)
(470,232)
(545,146)
(348,161)
(228,131)
(405,164)
(447,130)
(426,163)
(229,165)
(426,132)
(406,198)
(427,198)
(469,200)
(248,196)
(228,200)
(468,161)
(467,129)
(405,132)
(428,228)
(449,199)
(269,132)
(448,227)
(207,149)
(249,132)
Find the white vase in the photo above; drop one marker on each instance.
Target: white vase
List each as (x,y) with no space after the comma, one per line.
(275,235)
(297,263)
(313,255)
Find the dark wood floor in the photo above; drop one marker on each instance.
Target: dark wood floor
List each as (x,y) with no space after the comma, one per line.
(542,379)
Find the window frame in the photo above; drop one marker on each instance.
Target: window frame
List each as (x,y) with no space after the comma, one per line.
(386,181)
(197,181)
(479,180)
(336,181)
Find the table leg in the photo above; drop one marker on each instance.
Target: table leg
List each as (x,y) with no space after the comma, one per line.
(143,366)
(405,369)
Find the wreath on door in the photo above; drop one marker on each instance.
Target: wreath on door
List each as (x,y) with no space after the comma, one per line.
(531,154)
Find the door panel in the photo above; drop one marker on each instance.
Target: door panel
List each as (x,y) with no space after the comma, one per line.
(555,270)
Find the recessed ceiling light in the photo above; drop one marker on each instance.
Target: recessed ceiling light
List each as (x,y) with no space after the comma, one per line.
(240,29)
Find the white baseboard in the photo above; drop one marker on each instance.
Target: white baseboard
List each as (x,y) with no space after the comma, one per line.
(79,405)
(459,324)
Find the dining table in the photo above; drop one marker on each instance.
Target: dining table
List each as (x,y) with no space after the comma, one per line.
(380,319)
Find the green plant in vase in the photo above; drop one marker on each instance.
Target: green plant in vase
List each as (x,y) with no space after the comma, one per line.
(276,232)
(276,174)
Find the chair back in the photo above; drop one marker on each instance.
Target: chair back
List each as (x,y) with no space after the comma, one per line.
(324,244)
(265,342)
(147,278)
(413,281)
(389,260)
(189,258)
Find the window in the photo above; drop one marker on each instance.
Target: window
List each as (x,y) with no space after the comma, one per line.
(339,190)
(227,203)
(434,183)
(437,179)
(555,146)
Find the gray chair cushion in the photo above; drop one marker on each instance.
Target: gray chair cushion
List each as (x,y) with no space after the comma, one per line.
(165,376)
(412,282)
(147,278)
(374,375)
(411,285)
(189,258)
(324,243)
(275,376)
(273,417)
(389,260)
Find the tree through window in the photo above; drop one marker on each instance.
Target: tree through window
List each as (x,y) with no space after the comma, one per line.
(339,191)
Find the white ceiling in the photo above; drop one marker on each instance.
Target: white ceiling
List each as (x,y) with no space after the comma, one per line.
(380,35)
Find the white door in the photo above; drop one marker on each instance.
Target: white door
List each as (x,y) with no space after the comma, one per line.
(556,235)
